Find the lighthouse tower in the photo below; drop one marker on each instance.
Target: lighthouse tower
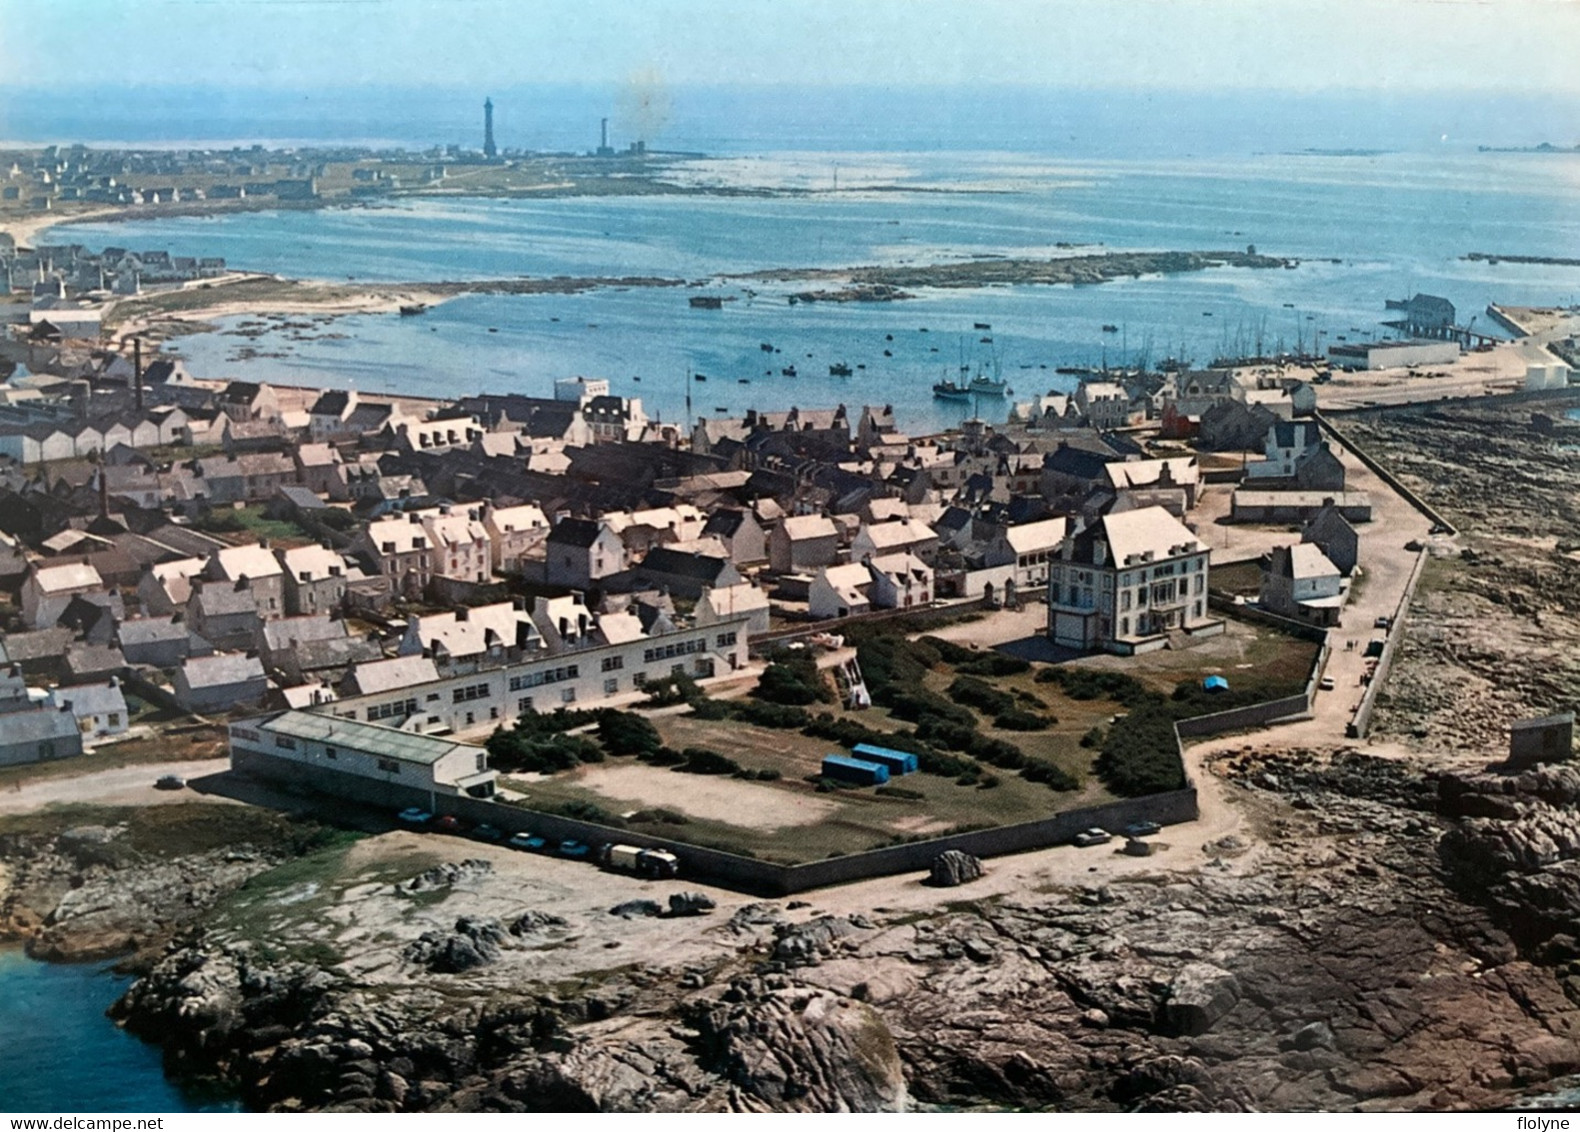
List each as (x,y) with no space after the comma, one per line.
(490,151)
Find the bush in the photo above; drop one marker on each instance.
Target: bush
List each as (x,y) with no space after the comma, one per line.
(1091,684)
(1093,738)
(988,782)
(677,688)
(948,651)
(781,716)
(705,708)
(1036,770)
(541,753)
(1140,754)
(900,792)
(626,733)
(665,817)
(996,752)
(1017,720)
(700,760)
(792,679)
(586,811)
(913,704)
(994,664)
(978,694)
(664,756)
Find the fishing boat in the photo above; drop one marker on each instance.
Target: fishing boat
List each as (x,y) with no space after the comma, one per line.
(407,310)
(839,369)
(766,347)
(788,371)
(699,377)
(706,303)
(951,391)
(983,326)
(1110,328)
(987,387)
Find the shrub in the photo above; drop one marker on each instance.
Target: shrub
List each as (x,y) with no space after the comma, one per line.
(705,708)
(518,750)
(988,782)
(665,817)
(626,733)
(676,688)
(997,752)
(793,679)
(1093,738)
(586,811)
(782,716)
(1017,720)
(664,756)
(978,694)
(994,664)
(700,760)
(900,792)
(948,651)
(1037,770)
(1140,754)
(1091,684)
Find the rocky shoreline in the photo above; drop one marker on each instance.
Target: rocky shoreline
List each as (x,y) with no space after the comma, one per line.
(1402,940)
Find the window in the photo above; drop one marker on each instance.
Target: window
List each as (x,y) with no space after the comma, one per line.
(115,719)
(613,663)
(470,692)
(727,640)
(524,705)
(611,686)
(285,742)
(470,719)
(546,676)
(389,766)
(331,753)
(245,733)
(670,651)
(568,696)
(493,713)
(392,710)
(46,749)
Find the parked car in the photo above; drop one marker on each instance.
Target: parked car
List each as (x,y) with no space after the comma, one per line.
(1326,684)
(1382,623)
(570,847)
(1142,829)
(530,842)
(1093,836)
(486,832)
(414,815)
(449,823)
(170,782)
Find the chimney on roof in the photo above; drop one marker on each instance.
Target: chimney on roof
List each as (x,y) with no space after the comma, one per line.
(137,372)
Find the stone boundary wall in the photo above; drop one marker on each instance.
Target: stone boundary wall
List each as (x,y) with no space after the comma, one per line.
(729,869)
(1385,475)
(1361,722)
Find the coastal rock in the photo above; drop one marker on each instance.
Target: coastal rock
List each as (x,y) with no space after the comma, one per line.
(800,1049)
(952,868)
(633,908)
(475,942)
(1198,996)
(802,944)
(690,903)
(448,875)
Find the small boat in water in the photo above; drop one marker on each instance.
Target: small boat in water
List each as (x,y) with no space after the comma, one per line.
(951,391)
(766,347)
(407,310)
(788,371)
(987,387)
(839,369)
(983,326)
(1110,328)
(706,303)
(699,377)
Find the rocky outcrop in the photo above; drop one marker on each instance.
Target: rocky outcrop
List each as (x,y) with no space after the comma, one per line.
(475,942)
(791,1048)
(690,903)
(952,868)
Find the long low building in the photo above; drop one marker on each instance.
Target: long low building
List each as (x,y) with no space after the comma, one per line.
(564,678)
(327,752)
(1391,355)
(1297,506)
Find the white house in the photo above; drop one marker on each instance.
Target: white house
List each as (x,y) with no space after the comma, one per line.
(840,591)
(49,589)
(100,709)
(1300,582)
(1127,581)
(1028,547)
(731,603)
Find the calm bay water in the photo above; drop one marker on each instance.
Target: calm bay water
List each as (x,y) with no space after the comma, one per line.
(1365,229)
(59,1053)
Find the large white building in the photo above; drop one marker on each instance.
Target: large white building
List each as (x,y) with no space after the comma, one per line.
(1125,582)
(582,659)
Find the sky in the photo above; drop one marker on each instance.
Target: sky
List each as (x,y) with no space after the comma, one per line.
(1509,46)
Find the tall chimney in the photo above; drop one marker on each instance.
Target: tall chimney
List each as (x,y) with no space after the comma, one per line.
(137,371)
(603,133)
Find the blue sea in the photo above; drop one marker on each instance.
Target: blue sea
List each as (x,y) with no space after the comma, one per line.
(59,1053)
(1365,229)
